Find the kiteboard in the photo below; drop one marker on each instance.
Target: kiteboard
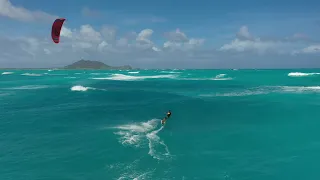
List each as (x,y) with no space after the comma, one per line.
(163,121)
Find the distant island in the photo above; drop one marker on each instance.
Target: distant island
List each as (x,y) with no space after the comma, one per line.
(88,64)
(82,64)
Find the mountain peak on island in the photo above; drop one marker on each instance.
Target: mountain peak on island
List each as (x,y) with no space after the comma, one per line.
(89,64)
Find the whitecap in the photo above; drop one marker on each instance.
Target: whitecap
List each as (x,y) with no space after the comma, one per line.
(300,74)
(31,74)
(6,73)
(122,77)
(80,88)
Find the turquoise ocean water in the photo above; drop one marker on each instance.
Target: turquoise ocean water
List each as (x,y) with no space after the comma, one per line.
(105,125)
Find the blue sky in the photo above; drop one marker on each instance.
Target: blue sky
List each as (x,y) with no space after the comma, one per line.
(162,34)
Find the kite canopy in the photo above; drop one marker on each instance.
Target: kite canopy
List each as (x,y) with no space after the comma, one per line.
(56,28)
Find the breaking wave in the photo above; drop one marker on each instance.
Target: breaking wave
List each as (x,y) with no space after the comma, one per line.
(134,72)
(6,73)
(80,88)
(122,77)
(233,94)
(300,74)
(221,77)
(30,74)
(300,88)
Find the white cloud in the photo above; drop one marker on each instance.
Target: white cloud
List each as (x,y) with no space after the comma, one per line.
(65,32)
(312,49)
(156,49)
(193,42)
(246,42)
(144,35)
(247,45)
(102,45)
(178,40)
(244,33)
(176,36)
(30,46)
(122,42)
(47,51)
(109,33)
(105,39)
(308,50)
(190,44)
(7,9)
(87,33)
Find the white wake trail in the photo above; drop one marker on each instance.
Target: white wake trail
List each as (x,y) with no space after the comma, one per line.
(142,134)
(154,141)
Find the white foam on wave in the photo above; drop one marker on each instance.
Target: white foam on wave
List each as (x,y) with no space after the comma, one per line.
(6,73)
(134,72)
(29,87)
(234,94)
(267,90)
(221,77)
(138,134)
(80,88)
(98,73)
(299,89)
(122,77)
(70,77)
(31,74)
(300,74)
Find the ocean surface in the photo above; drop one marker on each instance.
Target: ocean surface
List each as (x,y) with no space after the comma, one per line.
(105,125)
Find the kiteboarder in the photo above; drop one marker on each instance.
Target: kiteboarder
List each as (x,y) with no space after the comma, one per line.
(168,113)
(165,118)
